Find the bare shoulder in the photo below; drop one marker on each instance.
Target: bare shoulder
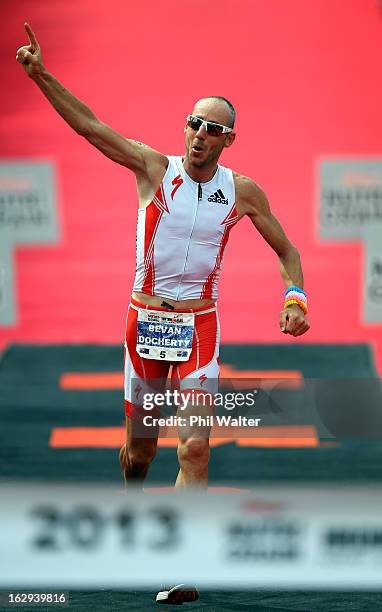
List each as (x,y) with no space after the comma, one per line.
(151,156)
(250,197)
(151,172)
(154,168)
(132,154)
(146,150)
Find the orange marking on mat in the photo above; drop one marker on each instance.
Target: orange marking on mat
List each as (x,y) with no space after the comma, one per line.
(87,437)
(220,441)
(295,436)
(94,381)
(114,437)
(219,489)
(91,381)
(291,379)
(278,442)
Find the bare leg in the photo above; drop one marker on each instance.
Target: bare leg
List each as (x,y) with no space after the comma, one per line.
(137,453)
(194,455)
(193,449)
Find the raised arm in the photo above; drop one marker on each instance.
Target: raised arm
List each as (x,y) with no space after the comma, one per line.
(139,158)
(252,201)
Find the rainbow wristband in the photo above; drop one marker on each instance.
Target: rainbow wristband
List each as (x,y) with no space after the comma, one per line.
(295,295)
(298,303)
(294,288)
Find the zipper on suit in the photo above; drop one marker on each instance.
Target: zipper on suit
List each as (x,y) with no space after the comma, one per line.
(200,196)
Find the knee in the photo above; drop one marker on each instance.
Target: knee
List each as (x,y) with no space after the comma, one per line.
(141,454)
(195,451)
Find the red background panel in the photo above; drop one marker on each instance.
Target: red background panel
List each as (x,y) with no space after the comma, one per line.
(305,78)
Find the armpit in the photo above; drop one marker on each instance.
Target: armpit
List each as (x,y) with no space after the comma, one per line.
(250,198)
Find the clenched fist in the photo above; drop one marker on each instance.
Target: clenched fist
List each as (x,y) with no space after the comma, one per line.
(30,55)
(293,321)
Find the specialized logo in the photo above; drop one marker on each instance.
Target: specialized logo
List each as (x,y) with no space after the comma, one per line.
(137,391)
(218,197)
(177,182)
(202,379)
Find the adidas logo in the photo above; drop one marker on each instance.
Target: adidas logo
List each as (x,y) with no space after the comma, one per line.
(218,197)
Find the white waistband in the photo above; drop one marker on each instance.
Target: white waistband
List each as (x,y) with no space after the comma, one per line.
(147,307)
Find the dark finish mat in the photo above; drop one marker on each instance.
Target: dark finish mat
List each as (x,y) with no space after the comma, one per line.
(31,404)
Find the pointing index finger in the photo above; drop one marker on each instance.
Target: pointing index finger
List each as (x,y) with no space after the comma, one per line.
(31,36)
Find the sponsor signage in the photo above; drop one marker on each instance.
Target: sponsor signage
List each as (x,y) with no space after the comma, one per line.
(349,197)
(372,288)
(289,537)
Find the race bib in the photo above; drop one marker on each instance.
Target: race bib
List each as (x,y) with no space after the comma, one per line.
(165,335)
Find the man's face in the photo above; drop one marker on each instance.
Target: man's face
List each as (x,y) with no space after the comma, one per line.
(202,149)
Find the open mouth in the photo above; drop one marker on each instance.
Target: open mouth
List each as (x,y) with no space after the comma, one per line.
(197,149)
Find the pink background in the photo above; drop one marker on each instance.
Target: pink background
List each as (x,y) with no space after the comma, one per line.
(305,76)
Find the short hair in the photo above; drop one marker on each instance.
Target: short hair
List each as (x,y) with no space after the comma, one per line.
(228,103)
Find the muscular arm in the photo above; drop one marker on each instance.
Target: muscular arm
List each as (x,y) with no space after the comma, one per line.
(252,201)
(137,157)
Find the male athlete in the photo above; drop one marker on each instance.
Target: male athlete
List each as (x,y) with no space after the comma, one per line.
(187,207)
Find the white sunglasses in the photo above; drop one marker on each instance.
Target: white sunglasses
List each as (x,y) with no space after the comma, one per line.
(213,129)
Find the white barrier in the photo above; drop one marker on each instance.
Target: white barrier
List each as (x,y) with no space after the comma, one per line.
(285,537)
